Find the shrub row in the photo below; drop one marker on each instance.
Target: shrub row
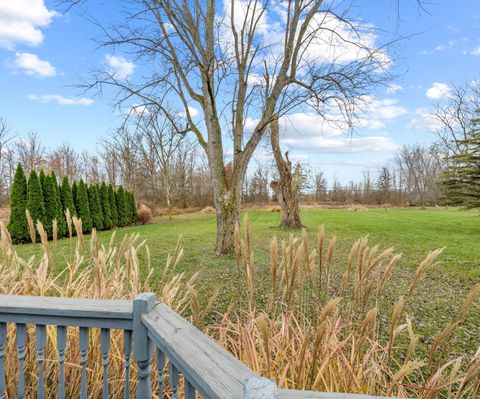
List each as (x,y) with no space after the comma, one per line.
(99,206)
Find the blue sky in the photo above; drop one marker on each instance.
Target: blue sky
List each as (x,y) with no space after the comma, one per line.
(44,54)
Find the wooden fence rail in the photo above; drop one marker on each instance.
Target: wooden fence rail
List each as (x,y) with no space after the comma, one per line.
(194,360)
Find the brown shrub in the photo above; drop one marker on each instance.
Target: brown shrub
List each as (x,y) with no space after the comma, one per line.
(358,208)
(144,214)
(274,208)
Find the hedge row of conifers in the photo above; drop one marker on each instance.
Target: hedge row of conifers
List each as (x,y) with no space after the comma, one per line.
(99,206)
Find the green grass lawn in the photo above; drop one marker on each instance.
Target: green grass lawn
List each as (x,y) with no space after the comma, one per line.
(412,232)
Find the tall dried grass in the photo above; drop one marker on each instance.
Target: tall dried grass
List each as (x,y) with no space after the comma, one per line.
(313,330)
(94,271)
(319,333)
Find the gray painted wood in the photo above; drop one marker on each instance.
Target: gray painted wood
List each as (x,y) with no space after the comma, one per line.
(215,373)
(84,335)
(3,343)
(174,378)
(21,341)
(142,348)
(189,390)
(105,349)
(120,324)
(61,346)
(127,351)
(40,342)
(160,360)
(71,307)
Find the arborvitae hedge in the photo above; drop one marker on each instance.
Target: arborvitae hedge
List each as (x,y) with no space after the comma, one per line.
(83,208)
(105,202)
(62,222)
(99,206)
(18,225)
(74,195)
(66,197)
(50,203)
(113,205)
(95,207)
(41,177)
(123,213)
(132,206)
(35,198)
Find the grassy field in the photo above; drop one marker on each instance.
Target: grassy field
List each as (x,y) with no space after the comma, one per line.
(412,232)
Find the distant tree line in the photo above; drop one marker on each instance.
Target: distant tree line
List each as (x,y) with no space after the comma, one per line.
(46,199)
(165,171)
(411,178)
(165,168)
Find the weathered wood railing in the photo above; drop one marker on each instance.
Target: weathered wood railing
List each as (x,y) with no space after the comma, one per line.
(207,369)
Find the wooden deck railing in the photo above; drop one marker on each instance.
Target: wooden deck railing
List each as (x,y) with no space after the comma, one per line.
(208,370)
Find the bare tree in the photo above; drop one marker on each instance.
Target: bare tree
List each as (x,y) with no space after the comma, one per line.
(320,186)
(287,187)
(65,161)
(419,169)
(31,152)
(456,115)
(160,143)
(227,66)
(121,148)
(5,158)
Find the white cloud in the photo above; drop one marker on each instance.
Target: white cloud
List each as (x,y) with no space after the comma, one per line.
(21,22)
(193,111)
(383,109)
(344,145)
(330,39)
(475,51)
(61,100)
(119,67)
(34,66)
(439,91)
(423,120)
(394,88)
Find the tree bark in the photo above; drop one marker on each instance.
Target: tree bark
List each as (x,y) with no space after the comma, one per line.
(285,188)
(227,208)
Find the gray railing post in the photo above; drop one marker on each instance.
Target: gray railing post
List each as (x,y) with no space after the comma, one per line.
(260,388)
(142,349)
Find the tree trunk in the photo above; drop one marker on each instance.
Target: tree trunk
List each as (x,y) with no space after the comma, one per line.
(285,189)
(227,215)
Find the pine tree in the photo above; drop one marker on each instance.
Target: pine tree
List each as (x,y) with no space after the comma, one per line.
(83,208)
(74,196)
(95,207)
(122,210)
(18,225)
(113,205)
(461,179)
(62,222)
(66,197)
(132,207)
(105,201)
(41,177)
(50,203)
(35,198)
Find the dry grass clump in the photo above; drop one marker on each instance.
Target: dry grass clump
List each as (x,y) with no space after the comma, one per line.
(358,208)
(315,332)
(96,270)
(144,214)
(208,209)
(273,208)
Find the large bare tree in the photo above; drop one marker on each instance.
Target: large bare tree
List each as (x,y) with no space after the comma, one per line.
(455,117)
(242,64)
(286,188)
